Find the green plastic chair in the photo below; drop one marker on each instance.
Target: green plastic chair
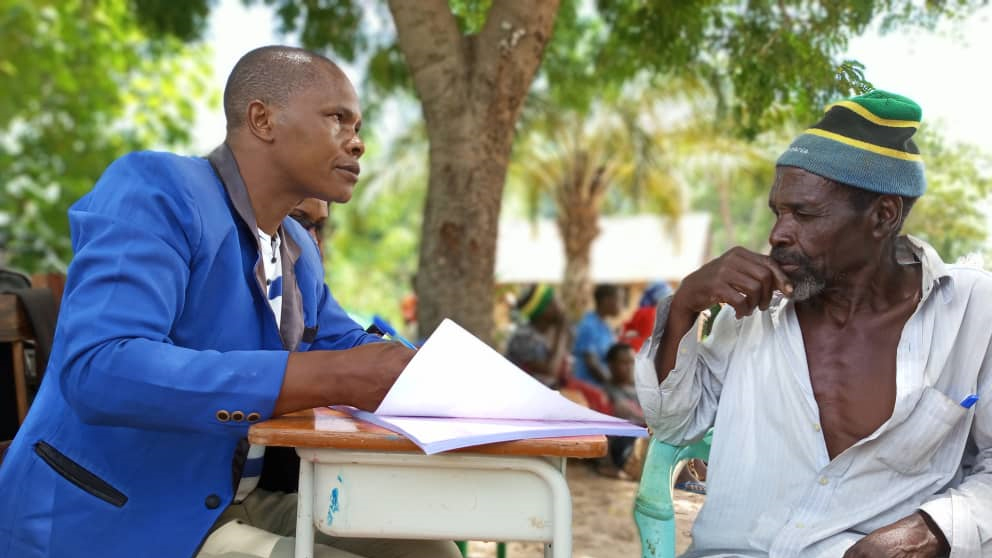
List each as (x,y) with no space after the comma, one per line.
(653,512)
(500,548)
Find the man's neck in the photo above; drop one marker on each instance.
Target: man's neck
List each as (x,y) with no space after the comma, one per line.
(271,199)
(877,286)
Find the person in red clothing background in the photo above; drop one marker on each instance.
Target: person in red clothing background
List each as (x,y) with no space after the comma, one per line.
(641,323)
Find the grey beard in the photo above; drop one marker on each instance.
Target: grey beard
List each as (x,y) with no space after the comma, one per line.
(807,286)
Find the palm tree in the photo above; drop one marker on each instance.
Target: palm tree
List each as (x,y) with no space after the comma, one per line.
(620,156)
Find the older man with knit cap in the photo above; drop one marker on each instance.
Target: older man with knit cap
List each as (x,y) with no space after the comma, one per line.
(850,389)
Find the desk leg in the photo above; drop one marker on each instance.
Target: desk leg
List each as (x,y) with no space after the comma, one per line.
(561,543)
(20,381)
(304,512)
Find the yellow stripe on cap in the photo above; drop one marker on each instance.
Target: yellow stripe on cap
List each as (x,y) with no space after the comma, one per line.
(868,115)
(894,153)
(535,300)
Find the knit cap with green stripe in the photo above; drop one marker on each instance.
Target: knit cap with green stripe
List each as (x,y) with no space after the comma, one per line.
(865,142)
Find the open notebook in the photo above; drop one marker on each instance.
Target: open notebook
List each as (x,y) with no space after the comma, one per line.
(457,392)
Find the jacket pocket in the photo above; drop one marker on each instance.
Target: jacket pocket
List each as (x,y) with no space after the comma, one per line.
(79,476)
(910,446)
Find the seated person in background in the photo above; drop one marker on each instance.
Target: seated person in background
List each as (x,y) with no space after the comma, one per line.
(640,325)
(538,343)
(593,336)
(620,388)
(539,346)
(312,215)
(194,308)
(849,383)
(626,455)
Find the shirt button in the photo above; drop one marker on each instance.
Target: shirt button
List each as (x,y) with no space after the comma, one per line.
(800,525)
(824,481)
(223,416)
(816,427)
(212,502)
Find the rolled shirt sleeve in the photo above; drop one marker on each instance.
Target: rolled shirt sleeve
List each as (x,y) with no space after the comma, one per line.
(683,408)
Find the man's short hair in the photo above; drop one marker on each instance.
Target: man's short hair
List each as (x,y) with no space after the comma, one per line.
(602,292)
(270,74)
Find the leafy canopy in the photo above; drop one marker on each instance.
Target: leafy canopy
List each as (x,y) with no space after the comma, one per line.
(83,84)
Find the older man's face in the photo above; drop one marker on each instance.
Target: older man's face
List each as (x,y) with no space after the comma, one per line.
(818,236)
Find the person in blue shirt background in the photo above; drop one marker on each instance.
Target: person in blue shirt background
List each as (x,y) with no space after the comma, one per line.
(594,336)
(193,308)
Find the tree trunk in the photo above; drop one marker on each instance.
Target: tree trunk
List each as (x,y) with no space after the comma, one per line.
(471,89)
(579,199)
(576,286)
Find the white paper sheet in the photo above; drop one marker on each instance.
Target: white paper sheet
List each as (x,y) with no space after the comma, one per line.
(458,392)
(435,435)
(455,374)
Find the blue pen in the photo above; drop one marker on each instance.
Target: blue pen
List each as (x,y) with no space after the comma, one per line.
(389,330)
(969,402)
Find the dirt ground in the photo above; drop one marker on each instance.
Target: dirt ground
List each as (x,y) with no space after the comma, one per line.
(602,519)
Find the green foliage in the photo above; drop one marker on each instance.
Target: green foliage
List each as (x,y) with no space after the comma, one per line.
(771,52)
(470,14)
(83,84)
(372,252)
(325,24)
(184,20)
(638,137)
(951,216)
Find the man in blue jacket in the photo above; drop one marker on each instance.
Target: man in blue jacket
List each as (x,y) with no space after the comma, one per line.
(193,308)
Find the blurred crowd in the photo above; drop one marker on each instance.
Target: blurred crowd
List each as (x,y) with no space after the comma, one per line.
(592,361)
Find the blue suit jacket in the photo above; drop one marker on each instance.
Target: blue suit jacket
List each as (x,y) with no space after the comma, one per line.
(163,324)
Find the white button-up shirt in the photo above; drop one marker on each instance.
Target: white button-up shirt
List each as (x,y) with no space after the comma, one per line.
(772,489)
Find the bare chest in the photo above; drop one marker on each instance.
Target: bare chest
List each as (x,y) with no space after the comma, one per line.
(853,376)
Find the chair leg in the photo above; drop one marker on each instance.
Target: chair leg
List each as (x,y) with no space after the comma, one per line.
(463,547)
(20,381)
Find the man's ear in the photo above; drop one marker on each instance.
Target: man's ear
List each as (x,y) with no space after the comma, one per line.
(886,216)
(260,120)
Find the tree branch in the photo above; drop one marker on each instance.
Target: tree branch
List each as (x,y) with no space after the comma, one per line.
(509,50)
(431,42)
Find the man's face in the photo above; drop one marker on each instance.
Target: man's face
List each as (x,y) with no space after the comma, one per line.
(312,214)
(317,141)
(622,367)
(818,236)
(609,305)
(553,313)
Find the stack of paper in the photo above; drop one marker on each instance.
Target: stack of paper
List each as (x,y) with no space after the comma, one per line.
(457,392)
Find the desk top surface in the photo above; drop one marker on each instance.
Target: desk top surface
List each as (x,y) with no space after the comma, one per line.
(340,431)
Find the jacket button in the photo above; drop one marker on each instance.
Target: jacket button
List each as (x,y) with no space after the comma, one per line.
(237,416)
(212,502)
(253,417)
(223,415)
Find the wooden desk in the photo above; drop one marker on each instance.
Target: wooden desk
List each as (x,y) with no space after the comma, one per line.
(16,329)
(359,480)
